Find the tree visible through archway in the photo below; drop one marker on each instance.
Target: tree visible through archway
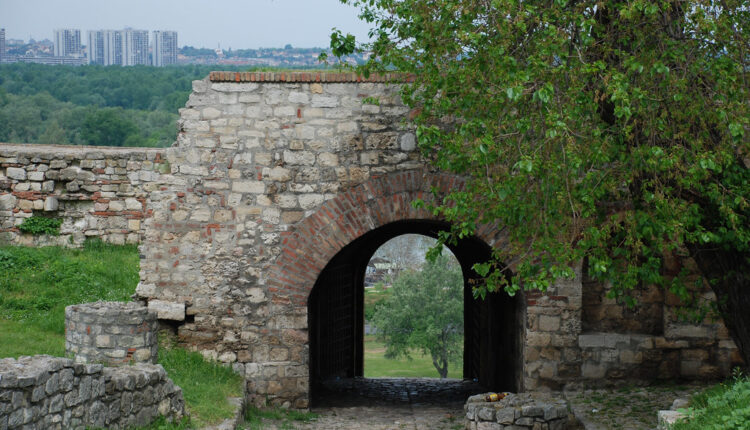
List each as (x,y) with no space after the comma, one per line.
(491,347)
(414,311)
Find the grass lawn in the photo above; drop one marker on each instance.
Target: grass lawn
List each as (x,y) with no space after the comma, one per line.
(377,366)
(36,284)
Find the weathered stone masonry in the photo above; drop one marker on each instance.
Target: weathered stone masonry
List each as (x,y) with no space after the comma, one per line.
(272,175)
(98,192)
(44,392)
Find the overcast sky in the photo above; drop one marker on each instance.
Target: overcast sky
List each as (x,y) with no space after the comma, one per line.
(231,23)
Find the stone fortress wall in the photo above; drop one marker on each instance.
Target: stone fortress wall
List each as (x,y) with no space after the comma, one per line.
(43,392)
(98,192)
(271,175)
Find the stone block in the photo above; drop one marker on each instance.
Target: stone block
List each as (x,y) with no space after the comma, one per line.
(549,323)
(320,101)
(305,158)
(132,204)
(667,418)
(505,416)
(298,97)
(36,176)
(486,413)
(7,202)
(593,371)
(253,187)
(16,173)
(51,204)
(167,310)
(210,113)
(408,142)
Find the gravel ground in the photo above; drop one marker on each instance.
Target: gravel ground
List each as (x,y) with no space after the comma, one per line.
(429,404)
(627,407)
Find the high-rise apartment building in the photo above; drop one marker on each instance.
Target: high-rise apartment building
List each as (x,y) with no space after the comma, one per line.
(2,45)
(164,50)
(134,47)
(95,47)
(68,43)
(118,47)
(105,47)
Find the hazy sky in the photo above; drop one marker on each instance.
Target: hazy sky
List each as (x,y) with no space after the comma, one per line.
(231,23)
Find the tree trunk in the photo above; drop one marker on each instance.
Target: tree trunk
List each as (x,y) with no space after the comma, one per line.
(441,364)
(728,273)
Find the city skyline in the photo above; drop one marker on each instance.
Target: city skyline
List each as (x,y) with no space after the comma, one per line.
(230,24)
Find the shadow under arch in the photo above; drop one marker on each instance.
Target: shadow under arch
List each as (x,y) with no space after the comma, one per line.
(492,349)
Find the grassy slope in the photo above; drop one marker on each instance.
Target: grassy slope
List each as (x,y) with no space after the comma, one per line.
(37,283)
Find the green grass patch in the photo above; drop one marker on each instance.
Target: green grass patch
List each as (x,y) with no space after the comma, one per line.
(205,385)
(724,406)
(18,338)
(420,366)
(256,418)
(36,284)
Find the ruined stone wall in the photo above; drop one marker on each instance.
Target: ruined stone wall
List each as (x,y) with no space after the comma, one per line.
(43,392)
(255,159)
(97,192)
(574,340)
(272,174)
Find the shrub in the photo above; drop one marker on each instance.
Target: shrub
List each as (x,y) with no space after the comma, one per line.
(723,407)
(41,225)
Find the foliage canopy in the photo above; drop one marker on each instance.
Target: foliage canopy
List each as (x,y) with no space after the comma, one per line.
(614,132)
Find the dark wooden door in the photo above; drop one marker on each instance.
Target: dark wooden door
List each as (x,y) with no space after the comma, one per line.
(335,328)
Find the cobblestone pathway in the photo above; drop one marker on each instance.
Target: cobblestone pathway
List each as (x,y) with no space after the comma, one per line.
(389,403)
(431,404)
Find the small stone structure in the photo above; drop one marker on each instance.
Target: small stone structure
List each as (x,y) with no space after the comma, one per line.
(44,392)
(96,191)
(111,333)
(516,412)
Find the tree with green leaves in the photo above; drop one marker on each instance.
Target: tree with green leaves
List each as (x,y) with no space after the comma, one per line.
(425,312)
(612,132)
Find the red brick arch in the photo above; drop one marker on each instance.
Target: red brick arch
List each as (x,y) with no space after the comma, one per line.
(309,246)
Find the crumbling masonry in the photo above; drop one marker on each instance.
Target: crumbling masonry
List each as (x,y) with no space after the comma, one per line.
(255,226)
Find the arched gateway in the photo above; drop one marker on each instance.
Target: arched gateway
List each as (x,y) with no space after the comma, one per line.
(322,266)
(278,190)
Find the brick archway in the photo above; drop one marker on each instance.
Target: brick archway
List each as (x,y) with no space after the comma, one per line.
(310,245)
(332,245)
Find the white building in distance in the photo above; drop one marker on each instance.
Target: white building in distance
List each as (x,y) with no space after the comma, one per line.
(68,43)
(118,47)
(135,47)
(164,50)
(2,45)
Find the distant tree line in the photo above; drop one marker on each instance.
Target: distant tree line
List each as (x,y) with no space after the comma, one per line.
(93,105)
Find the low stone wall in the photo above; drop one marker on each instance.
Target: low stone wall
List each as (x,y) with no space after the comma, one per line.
(516,412)
(97,191)
(689,352)
(44,392)
(112,333)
